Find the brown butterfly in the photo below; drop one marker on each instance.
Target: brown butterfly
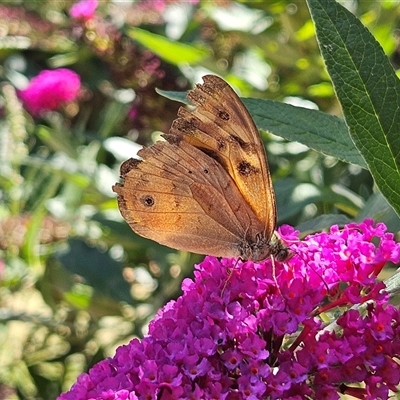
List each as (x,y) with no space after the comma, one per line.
(206,189)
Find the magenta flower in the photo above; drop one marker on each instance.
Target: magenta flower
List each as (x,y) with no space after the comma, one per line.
(49,90)
(258,332)
(83,10)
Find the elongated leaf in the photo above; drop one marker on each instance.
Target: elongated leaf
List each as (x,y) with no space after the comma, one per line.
(292,197)
(55,140)
(172,95)
(173,52)
(100,271)
(379,209)
(317,130)
(322,223)
(367,88)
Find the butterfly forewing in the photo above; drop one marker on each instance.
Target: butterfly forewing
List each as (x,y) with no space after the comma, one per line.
(222,127)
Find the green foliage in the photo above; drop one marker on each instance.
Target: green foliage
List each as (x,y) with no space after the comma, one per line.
(75,281)
(173,52)
(368,90)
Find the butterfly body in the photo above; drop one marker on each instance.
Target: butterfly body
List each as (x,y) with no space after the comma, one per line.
(207,188)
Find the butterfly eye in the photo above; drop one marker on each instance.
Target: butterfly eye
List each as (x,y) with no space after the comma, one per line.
(147,200)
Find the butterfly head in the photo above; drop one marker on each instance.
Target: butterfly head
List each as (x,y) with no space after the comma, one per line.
(261,249)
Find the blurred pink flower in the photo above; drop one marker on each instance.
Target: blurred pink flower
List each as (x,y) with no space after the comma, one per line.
(50,89)
(84,9)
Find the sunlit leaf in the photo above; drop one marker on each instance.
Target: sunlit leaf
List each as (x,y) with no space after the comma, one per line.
(368,90)
(171,51)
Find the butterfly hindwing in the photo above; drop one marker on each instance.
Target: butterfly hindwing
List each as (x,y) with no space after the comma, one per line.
(180,197)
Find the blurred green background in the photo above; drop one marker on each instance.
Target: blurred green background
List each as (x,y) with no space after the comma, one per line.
(75,281)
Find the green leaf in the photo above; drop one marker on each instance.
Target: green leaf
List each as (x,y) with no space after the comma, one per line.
(99,270)
(112,115)
(39,166)
(322,222)
(319,131)
(379,209)
(292,197)
(367,88)
(32,241)
(176,96)
(55,140)
(80,297)
(173,52)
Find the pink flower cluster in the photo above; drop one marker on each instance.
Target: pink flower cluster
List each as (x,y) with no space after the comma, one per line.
(258,332)
(49,90)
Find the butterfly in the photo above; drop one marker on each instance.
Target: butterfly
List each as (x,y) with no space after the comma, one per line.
(207,188)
